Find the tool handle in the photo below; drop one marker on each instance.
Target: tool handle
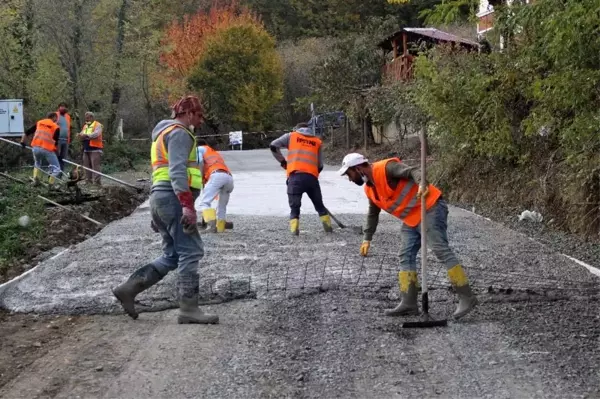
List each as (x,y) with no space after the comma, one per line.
(423,224)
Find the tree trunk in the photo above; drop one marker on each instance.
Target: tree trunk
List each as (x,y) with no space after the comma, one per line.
(116,89)
(77,61)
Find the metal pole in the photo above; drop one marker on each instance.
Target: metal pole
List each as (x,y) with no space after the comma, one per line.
(83,167)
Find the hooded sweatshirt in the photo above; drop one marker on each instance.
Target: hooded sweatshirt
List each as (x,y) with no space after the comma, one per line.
(179,144)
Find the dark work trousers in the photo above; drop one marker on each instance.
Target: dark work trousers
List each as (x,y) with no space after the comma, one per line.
(300,183)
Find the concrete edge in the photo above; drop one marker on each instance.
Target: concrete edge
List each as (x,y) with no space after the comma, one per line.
(593,270)
(10,283)
(5,286)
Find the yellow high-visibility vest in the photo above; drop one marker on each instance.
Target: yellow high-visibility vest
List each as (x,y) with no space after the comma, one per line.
(160,159)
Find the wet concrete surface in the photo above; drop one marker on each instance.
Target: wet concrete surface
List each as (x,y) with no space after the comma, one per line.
(308,320)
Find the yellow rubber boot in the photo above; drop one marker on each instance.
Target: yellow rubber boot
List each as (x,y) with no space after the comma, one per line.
(466,299)
(51,181)
(220,226)
(326,220)
(407,280)
(210,218)
(295,226)
(36,176)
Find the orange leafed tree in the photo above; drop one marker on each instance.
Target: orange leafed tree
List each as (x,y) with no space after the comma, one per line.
(184,41)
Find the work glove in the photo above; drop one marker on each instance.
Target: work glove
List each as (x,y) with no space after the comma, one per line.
(23,144)
(422,192)
(364,248)
(283,164)
(189,217)
(153,226)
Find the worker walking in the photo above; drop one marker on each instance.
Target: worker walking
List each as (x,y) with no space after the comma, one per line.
(218,181)
(395,187)
(64,122)
(176,182)
(303,166)
(91,136)
(46,135)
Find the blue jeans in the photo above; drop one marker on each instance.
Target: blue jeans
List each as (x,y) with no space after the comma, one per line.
(40,154)
(63,152)
(437,239)
(180,251)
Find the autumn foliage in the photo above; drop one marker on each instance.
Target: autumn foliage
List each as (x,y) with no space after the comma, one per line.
(184,42)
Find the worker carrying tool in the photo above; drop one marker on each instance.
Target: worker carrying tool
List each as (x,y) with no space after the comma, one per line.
(46,134)
(395,187)
(217,180)
(176,183)
(303,166)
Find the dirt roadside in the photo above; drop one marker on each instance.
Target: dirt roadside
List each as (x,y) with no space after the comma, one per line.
(27,337)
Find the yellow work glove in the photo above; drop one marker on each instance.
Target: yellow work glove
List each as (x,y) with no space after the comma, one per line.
(422,192)
(364,248)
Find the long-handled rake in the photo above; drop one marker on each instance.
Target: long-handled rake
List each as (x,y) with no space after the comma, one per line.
(427,321)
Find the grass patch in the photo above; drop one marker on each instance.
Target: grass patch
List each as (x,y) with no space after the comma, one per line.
(17,200)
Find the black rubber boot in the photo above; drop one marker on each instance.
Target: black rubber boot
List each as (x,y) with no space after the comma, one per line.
(466,301)
(408,305)
(189,312)
(142,279)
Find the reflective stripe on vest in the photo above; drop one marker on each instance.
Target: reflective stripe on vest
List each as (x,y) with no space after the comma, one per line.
(160,160)
(303,154)
(89,129)
(212,161)
(44,135)
(402,201)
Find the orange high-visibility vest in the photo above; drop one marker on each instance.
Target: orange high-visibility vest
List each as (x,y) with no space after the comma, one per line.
(44,135)
(89,129)
(303,154)
(68,118)
(401,202)
(212,161)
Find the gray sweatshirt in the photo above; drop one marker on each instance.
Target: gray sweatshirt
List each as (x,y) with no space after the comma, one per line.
(284,142)
(179,145)
(395,172)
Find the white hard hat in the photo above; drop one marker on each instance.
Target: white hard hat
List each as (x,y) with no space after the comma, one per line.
(351,160)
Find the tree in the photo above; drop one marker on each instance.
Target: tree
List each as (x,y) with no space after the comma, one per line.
(184,42)
(239,75)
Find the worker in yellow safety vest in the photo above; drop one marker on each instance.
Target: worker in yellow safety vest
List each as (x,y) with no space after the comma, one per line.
(176,182)
(91,136)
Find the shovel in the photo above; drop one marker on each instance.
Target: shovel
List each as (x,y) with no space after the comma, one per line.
(356,229)
(427,321)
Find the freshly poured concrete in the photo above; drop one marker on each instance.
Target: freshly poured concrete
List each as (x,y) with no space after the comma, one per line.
(316,327)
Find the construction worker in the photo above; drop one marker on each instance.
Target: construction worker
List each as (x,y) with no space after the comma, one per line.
(64,121)
(46,134)
(303,166)
(217,181)
(91,136)
(396,187)
(176,182)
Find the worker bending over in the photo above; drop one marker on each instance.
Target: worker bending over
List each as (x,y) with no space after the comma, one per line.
(395,187)
(176,182)
(217,181)
(303,166)
(46,134)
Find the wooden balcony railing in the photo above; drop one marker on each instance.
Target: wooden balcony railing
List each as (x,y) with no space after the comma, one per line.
(400,68)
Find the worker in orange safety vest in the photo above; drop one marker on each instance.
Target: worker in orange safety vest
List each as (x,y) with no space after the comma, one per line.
(396,188)
(218,181)
(46,134)
(91,136)
(303,166)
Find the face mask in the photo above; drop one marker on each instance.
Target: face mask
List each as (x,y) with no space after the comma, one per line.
(359,180)
(63,111)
